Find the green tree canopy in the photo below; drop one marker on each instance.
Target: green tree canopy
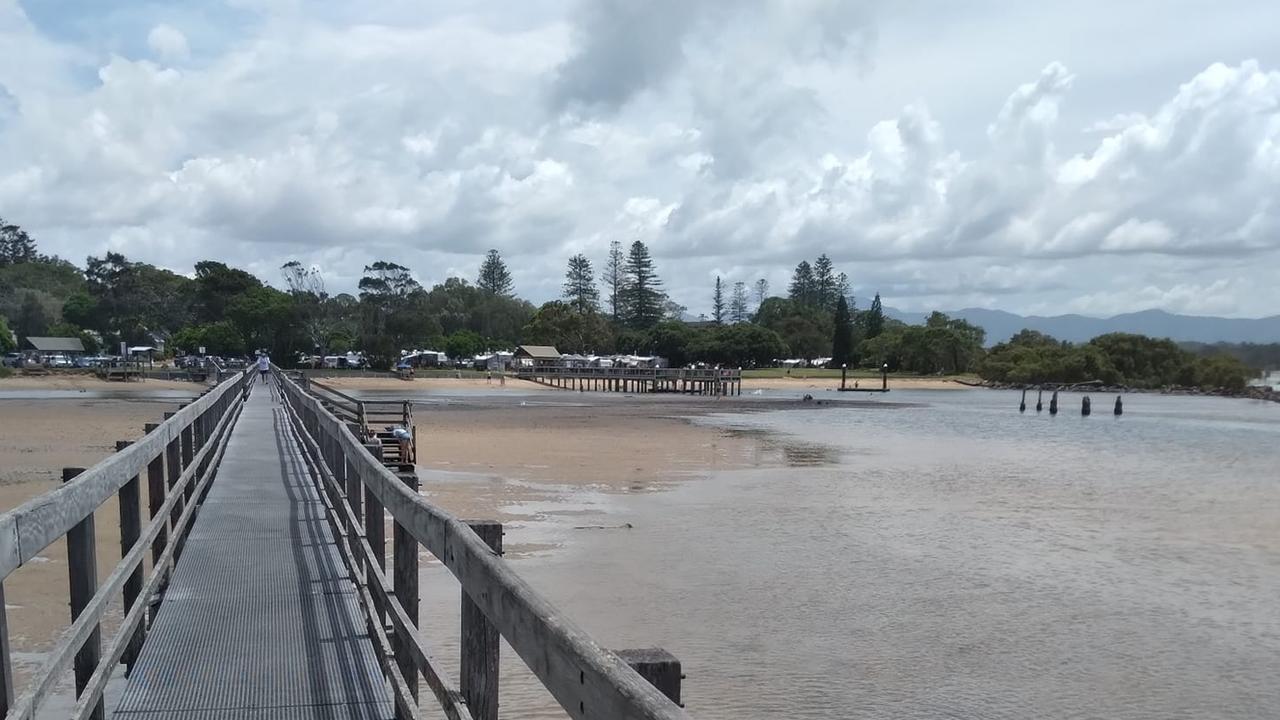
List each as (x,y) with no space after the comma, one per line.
(561,324)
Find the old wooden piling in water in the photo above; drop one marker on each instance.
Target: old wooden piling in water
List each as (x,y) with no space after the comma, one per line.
(1022,405)
(1086,406)
(1053,403)
(1039,399)
(1119,406)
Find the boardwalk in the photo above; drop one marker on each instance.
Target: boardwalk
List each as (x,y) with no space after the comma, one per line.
(269,593)
(261,618)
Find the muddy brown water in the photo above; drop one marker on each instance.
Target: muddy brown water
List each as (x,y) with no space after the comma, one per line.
(952,558)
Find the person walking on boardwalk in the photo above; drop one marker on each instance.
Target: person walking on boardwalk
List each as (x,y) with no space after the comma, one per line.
(264,366)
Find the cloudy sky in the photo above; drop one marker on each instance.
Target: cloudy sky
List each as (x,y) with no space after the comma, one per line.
(1085,156)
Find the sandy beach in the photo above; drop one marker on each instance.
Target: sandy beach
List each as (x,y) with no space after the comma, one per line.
(37,439)
(89,382)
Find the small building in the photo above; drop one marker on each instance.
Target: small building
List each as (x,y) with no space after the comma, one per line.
(68,346)
(537,356)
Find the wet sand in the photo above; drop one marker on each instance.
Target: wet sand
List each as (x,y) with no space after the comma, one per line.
(37,439)
(92,383)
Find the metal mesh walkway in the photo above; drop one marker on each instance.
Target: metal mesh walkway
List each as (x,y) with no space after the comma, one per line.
(260,620)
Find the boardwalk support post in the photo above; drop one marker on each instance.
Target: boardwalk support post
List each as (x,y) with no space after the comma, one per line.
(82,568)
(375,528)
(404,568)
(478,665)
(659,667)
(130,498)
(6,664)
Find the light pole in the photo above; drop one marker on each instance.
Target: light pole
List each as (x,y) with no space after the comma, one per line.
(884,376)
(844,372)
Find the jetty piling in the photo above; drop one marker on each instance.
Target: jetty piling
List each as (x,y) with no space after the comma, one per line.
(1039,399)
(1053,403)
(1022,406)
(1086,406)
(1119,406)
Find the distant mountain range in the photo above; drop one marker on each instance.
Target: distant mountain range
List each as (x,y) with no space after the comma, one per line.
(1001,325)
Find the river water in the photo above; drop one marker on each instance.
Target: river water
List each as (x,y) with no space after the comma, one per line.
(949,559)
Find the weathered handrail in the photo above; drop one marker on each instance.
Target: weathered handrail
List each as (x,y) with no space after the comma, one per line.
(587,680)
(184,450)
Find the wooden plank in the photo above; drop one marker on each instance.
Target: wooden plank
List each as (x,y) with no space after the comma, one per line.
(130,532)
(585,678)
(480,643)
(82,571)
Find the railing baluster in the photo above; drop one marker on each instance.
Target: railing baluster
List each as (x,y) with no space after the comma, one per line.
(82,568)
(188,452)
(478,665)
(130,531)
(404,551)
(355,499)
(155,500)
(6,659)
(173,470)
(375,526)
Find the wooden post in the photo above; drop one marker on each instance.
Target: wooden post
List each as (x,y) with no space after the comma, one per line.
(155,498)
(479,646)
(188,453)
(82,568)
(1022,406)
(659,667)
(6,660)
(375,526)
(1039,399)
(130,531)
(1053,403)
(404,563)
(355,497)
(1086,406)
(1119,406)
(173,470)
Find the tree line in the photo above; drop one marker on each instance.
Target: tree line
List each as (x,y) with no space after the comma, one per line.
(625,309)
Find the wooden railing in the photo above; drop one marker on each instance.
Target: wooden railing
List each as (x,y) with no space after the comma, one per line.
(369,415)
(178,458)
(587,680)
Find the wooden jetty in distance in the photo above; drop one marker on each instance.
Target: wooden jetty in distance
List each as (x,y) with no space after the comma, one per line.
(689,381)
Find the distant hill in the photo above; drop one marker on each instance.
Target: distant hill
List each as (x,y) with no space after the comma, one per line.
(1000,325)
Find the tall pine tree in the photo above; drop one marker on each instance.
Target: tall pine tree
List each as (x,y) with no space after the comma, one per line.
(580,285)
(761,291)
(802,284)
(717,302)
(494,277)
(824,283)
(641,297)
(874,319)
(615,278)
(842,339)
(738,302)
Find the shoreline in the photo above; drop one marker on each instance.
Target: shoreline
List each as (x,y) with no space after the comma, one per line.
(798,383)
